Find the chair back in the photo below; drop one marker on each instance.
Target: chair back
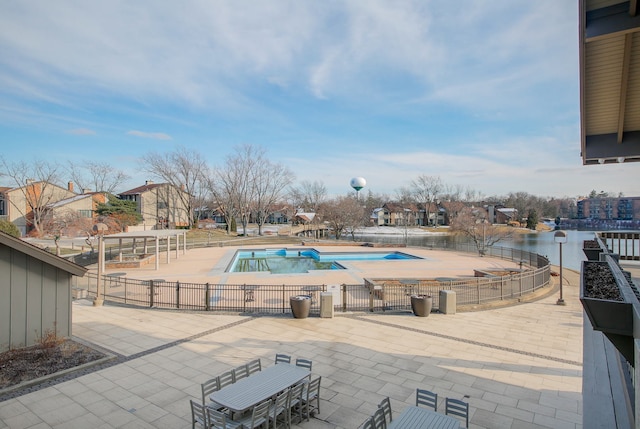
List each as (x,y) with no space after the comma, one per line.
(260,414)
(240,372)
(367,424)
(458,408)
(295,395)
(282,358)
(208,387)
(426,398)
(198,415)
(386,408)
(304,363)
(379,420)
(254,366)
(279,406)
(217,419)
(225,379)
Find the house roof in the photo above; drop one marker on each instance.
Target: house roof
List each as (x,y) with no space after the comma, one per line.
(143,188)
(69,200)
(609,81)
(41,255)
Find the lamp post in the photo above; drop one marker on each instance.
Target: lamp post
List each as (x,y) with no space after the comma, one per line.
(560,237)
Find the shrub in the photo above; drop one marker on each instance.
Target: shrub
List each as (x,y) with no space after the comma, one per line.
(9,228)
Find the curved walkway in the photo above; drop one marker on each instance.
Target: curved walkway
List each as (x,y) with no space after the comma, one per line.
(519,367)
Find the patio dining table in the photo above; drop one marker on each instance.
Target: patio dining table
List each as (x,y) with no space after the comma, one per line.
(419,418)
(259,386)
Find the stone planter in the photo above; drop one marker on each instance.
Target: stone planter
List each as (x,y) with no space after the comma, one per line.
(300,306)
(604,297)
(421,305)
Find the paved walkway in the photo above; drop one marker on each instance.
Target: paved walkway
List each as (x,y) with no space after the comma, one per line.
(518,366)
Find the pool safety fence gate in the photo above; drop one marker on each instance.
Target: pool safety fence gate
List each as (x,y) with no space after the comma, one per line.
(370,296)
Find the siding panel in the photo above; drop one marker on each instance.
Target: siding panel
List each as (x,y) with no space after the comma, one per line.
(33,319)
(5,297)
(18,299)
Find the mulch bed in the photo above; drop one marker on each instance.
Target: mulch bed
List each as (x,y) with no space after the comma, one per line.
(29,363)
(600,283)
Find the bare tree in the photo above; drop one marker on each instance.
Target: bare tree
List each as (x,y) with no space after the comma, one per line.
(309,195)
(36,183)
(472,222)
(426,190)
(270,181)
(184,170)
(96,176)
(231,185)
(343,214)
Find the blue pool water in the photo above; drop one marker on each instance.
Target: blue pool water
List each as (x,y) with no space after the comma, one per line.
(288,261)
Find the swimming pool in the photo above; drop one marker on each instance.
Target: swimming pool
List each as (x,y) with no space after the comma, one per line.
(291,261)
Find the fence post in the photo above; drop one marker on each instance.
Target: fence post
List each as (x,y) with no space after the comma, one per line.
(478,288)
(502,287)
(521,275)
(207,297)
(151,293)
(344,297)
(125,290)
(177,294)
(371,298)
(283,300)
(244,301)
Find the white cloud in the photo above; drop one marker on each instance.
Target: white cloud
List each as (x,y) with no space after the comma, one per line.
(156,136)
(82,132)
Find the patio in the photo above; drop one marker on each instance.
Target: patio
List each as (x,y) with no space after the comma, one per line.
(518,366)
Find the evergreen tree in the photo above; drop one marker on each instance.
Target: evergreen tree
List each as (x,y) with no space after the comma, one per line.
(124,212)
(9,228)
(532,219)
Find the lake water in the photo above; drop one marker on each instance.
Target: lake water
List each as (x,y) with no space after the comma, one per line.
(541,243)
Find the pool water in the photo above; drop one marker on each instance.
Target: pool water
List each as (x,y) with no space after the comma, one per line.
(291,261)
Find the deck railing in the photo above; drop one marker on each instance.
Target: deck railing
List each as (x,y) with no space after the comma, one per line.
(385,296)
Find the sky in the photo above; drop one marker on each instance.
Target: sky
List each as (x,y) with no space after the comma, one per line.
(483,94)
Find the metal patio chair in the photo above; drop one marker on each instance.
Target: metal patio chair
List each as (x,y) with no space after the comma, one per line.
(458,408)
(426,398)
(282,358)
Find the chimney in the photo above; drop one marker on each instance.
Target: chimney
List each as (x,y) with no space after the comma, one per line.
(182,187)
(148,182)
(70,186)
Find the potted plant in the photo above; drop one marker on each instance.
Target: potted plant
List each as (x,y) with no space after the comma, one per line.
(300,306)
(421,305)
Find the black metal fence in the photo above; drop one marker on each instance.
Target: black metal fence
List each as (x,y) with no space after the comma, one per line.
(369,296)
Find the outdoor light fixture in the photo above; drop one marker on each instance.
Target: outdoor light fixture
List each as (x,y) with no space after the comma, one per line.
(621,159)
(560,237)
(601,161)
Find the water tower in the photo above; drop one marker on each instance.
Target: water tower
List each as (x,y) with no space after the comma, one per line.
(358,183)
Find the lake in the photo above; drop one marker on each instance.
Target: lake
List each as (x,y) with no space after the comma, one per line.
(538,242)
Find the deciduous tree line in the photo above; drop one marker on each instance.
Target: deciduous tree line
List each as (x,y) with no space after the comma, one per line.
(247,185)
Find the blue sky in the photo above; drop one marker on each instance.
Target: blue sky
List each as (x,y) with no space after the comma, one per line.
(485,95)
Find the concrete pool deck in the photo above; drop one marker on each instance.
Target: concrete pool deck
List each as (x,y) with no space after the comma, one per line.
(518,366)
(202,265)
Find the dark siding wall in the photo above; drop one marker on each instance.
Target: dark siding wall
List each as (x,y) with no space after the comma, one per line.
(35,298)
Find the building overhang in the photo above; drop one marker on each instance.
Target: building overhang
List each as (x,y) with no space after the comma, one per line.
(609,81)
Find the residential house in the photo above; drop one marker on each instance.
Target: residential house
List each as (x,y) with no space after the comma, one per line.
(396,214)
(69,210)
(36,293)
(21,204)
(161,205)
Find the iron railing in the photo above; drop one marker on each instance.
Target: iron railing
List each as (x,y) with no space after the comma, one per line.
(369,296)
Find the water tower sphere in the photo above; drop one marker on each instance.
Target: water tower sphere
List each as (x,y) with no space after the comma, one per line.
(358,183)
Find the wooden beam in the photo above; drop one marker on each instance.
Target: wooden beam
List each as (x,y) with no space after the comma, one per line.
(624,83)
